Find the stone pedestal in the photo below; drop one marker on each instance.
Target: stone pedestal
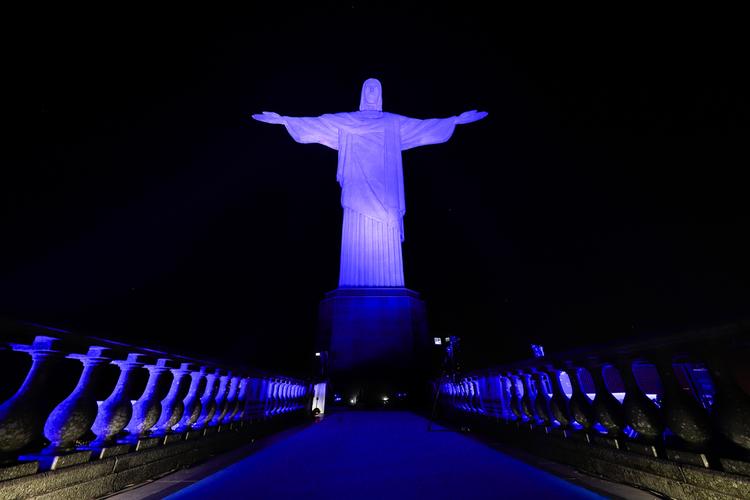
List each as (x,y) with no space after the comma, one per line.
(376,339)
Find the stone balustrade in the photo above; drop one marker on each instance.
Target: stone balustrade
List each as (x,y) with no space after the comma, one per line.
(682,398)
(90,398)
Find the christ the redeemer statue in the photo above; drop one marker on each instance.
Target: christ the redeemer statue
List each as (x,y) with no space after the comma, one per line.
(369,144)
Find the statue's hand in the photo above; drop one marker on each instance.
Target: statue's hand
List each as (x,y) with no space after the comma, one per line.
(269,117)
(470,116)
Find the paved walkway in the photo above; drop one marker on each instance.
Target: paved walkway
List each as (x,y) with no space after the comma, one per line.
(379,455)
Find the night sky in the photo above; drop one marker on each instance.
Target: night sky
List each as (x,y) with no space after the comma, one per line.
(603,198)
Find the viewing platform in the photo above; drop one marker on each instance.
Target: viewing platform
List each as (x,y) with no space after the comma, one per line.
(381,455)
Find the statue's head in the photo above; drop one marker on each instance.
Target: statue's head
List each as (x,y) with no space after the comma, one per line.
(372,96)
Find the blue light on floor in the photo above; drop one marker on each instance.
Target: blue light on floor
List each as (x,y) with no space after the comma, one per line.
(368,455)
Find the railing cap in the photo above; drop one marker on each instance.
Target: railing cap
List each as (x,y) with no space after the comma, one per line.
(41,343)
(164,363)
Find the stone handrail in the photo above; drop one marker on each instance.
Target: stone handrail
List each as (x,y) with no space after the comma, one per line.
(681,397)
(181,396)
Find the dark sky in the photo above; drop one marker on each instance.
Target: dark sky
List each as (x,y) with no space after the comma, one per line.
(604,196)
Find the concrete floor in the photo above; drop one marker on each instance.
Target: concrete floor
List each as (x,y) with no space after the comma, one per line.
(375,455)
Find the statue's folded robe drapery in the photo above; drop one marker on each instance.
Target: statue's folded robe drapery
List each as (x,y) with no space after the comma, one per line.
(369,145)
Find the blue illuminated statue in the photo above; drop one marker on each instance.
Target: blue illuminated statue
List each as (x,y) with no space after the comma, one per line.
(369,144)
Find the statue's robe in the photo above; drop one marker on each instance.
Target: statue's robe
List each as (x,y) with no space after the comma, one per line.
(369,145)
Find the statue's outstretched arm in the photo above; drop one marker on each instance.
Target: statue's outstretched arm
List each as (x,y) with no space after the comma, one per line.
(270,117)
(320,129)
(470,116)
(415,132)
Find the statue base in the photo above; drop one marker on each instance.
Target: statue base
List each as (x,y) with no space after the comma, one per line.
(375,343)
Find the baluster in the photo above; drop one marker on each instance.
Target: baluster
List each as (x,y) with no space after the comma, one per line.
(527,400)
(485,395)
(477,396)
(559,401)
(290,396)
(282,397)
(488,398)
(208,403)
(172,407)
(75,414)
(456,387)
(290,405)
(232,408)
(287,397)
(682,413)
(296,397)
(730,410)
(542,400)
(147,408)
(267,393)
(505,397)
(607,409)
(283,405)
(579,404)
(192,403)
(115,412)
(464,396)
(241,406)
(273,388)
(253,399)
(271,401)
(467,395)
(640,412)
(293,397)
(515,397)
(221,399)
(290,401)
(470,397)
(460,396)
(265,390)
(22,416)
